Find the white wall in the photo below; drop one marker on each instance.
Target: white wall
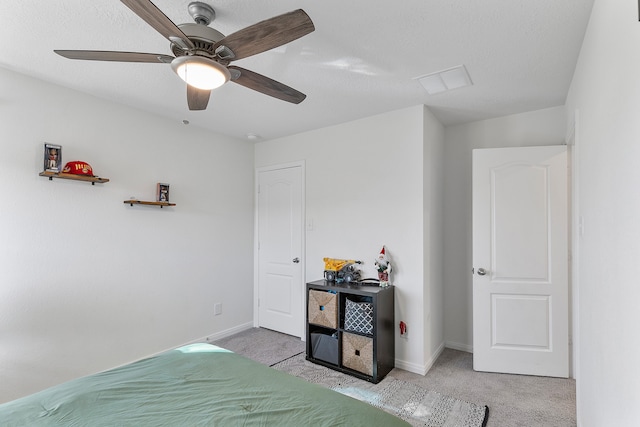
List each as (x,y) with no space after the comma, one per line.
(433,260)
(365,188)
(543,127)
(606,93)
(89,282)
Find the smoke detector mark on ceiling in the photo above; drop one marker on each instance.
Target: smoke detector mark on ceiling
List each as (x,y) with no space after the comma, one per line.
(442,81)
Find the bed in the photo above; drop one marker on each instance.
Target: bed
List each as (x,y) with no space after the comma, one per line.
(194,385)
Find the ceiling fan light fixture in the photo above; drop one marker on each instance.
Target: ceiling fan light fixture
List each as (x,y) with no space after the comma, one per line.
(200,72)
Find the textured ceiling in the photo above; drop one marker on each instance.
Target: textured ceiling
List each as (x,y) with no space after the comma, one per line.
(362,60)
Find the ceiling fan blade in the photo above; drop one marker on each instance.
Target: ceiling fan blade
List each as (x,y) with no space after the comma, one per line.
(197,98)
(268,34)
(153,16)
(265,85)
(105,55)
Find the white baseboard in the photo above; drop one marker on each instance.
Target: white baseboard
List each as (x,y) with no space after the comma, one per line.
(223,334)
(459,346)
(410,367)
(417,368)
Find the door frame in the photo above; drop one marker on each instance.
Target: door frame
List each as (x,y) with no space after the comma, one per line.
(576,227)
(303,246)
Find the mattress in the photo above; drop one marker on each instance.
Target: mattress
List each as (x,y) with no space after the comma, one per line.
(194,385)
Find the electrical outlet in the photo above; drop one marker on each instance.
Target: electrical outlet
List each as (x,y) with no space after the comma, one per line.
(403,329)
(217,309)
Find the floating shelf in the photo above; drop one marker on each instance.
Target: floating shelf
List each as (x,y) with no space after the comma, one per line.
(91,179)
(142,202)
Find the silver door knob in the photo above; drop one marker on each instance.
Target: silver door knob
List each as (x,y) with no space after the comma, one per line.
(296,260)
(482,272)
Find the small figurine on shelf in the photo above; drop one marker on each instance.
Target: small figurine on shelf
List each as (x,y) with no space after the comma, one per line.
(162,192)
(52,157)
(383,265)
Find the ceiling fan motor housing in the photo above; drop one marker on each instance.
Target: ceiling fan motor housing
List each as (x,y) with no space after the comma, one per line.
(203,37)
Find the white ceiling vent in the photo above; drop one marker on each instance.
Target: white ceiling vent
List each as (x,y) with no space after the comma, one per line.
(442,81)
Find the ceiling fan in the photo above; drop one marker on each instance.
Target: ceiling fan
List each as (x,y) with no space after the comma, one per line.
(202,55)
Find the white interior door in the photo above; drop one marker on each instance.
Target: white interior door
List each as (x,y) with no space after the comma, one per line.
(520,261)
(280,264)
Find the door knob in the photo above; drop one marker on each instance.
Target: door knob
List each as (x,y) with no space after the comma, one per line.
(482,272)
(296,260)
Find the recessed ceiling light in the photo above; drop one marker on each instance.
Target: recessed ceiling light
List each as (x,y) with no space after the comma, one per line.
(442,81)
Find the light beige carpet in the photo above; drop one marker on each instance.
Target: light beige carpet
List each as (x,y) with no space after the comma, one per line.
(263,345)
(412,403)
(514,400)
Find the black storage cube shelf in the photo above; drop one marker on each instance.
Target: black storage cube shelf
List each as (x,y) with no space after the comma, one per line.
(361,341)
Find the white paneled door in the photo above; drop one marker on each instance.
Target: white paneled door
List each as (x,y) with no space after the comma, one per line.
(280,271)
(520,261)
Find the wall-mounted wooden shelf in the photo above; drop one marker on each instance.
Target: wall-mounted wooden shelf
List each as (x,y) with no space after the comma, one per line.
(142,202)
(91,179)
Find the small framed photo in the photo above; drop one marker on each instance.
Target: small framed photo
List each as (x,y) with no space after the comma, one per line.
(52,157)
(162,192)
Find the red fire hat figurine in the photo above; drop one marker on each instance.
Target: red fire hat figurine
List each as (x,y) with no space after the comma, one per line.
(78,167)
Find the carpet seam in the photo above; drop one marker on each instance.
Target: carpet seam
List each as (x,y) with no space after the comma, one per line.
(287,358)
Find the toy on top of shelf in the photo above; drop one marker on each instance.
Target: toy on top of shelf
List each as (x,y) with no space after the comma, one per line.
(341,270)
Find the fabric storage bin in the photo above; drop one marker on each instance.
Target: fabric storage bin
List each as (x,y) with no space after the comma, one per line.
(324,347)
(323,309)
(358,316)
(357,353)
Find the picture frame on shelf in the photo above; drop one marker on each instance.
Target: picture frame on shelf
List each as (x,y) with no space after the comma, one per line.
(162,192)
(52,157)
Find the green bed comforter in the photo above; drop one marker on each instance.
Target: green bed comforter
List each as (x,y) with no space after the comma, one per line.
(195,385)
